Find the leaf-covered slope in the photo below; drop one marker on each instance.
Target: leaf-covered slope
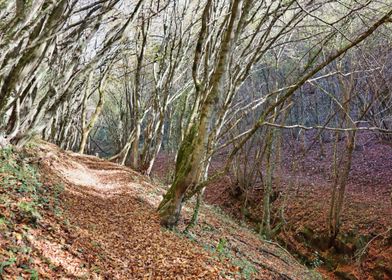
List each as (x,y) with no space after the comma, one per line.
(106,227)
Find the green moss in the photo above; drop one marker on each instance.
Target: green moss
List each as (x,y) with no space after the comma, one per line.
(3,223)
(307,232)
(183,167)
(19,175)
(186,149)
(247,269)
(4,264)
(29,211)
(33,274)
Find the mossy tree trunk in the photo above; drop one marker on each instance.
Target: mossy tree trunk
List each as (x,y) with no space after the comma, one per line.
(193,149)
(188,169)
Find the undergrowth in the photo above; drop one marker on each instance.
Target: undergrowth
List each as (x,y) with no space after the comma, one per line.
(23,198)
(246,268)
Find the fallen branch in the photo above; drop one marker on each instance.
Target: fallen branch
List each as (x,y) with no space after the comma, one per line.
(327,127)
(361,252)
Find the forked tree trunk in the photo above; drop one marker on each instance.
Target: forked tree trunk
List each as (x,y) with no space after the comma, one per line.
(339,189)
(187,173)
(342,170)
(193,149)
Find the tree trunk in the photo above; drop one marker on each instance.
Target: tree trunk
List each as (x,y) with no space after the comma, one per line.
(186,175)
(86,129)
(266,222)
(135,147)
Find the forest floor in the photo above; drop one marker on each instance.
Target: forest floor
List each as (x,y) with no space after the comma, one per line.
(363,249)
(81,217)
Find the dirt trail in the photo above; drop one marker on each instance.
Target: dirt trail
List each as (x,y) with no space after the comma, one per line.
(118,232)
(109,203)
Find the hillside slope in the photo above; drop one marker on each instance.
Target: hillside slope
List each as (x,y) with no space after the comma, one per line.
(111,231)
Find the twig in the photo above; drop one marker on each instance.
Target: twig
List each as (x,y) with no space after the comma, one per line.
(363,250)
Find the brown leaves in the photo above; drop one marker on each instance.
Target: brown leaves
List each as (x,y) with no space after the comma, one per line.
(117,228)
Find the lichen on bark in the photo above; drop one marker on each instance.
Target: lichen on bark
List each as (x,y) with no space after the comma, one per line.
(170,207)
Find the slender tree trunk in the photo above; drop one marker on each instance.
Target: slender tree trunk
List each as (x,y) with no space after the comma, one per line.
(266,222)
(340,187)
(86,129)
(135,146)
(343,170)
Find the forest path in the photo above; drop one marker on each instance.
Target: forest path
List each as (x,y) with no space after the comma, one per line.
(108,202)
(113,209)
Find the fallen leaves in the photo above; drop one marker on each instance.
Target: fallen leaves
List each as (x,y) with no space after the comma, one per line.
(109,229)
(119,235)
